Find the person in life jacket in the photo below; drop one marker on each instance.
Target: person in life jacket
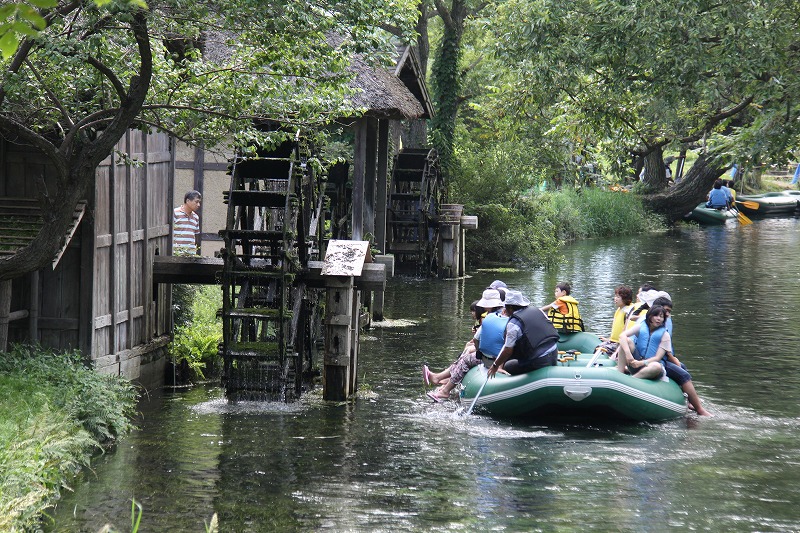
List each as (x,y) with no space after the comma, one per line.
(623,300)
(530,340)
(676,370)
(486,341)
(563,311)
(644,356)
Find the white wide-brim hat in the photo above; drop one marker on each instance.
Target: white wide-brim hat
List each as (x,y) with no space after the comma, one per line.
(649,297)
(490,299)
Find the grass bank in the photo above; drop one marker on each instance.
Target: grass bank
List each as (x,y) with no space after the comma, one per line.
(54,414)
(532,229)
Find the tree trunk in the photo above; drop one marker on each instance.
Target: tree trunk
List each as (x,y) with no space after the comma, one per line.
(655,176)
(75,162)
(676,201)
(415,132)
(446,83)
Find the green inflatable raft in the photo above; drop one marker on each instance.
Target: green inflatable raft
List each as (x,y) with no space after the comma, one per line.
(573,388)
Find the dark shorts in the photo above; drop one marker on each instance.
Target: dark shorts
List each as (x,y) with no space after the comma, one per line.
(515,366)
(678,373)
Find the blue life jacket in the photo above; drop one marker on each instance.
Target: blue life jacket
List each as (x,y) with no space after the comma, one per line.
(493,330)
(647,342)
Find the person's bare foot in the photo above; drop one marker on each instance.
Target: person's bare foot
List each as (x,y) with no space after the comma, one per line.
(437,396)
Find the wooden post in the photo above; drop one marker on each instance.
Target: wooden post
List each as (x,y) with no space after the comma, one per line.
(448,250)
(5,310)
(355,331)
(359,164)
(382,185)
(338,338)
(463,253)
(86,325)
(378,298)
(371,143)
(33,316)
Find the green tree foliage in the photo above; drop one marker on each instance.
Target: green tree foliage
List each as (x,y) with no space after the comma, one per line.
(202,70)
(645,76)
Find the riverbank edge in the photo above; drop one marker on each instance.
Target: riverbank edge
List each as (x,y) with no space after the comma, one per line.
(56,413)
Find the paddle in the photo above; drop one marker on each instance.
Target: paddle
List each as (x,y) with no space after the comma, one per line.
(741,217)
(749,205)
(475,400)
(594,358)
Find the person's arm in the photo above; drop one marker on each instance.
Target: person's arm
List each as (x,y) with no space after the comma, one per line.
(504,355)
(625,347)
(197,236)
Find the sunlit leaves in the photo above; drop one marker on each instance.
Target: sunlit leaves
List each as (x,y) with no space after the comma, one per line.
(217,64)
(26,18)
(644,72)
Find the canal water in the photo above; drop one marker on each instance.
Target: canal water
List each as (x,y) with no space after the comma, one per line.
(394,461)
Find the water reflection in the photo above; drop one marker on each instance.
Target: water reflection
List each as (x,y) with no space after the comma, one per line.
(395,461)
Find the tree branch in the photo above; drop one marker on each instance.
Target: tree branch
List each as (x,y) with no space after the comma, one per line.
(15,132)
(24,48)
(51,94)
(716,119)
(109,74)
(447,19)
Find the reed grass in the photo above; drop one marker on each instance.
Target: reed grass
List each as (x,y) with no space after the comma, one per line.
(532,229)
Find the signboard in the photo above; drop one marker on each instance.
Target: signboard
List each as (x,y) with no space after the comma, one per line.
(345,258)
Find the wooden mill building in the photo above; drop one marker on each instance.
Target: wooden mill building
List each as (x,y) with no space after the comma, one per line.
(98,295)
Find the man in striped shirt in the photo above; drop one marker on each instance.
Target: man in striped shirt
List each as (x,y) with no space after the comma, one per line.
(186,225)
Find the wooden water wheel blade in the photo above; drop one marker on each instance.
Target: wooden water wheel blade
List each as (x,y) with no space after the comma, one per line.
(256,198)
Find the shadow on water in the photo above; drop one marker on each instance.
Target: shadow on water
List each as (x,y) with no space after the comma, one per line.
(393,460)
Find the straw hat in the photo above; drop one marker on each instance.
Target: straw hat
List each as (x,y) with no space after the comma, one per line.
(490,299)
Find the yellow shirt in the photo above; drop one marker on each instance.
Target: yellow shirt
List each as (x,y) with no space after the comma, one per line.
(618,325)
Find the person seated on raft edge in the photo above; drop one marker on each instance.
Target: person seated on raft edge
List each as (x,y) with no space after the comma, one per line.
(644,301)
(531,341)
(717,197)
(471,356)
(623,300)
(644,357)
(640,307)
(676,370)
(563,311)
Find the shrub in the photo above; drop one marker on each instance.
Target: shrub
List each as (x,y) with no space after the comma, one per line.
(196,339)
(54,412)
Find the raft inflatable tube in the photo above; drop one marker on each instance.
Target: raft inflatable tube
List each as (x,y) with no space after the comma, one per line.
(571,389)
(709,216)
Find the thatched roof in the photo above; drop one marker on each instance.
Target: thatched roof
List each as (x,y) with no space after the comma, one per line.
(399,93)
(395,93)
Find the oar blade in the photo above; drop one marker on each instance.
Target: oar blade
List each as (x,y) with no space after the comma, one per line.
(742,218)
(748,204)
